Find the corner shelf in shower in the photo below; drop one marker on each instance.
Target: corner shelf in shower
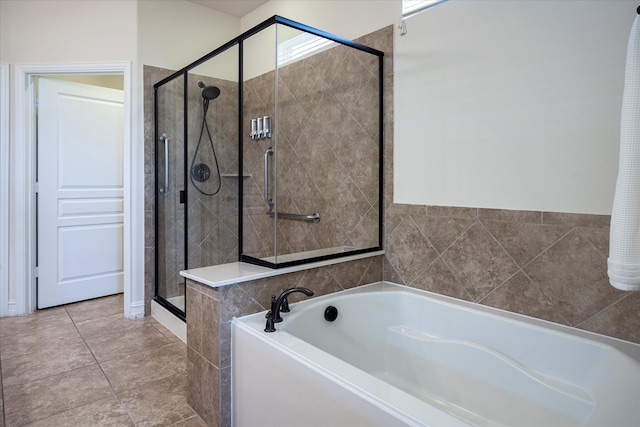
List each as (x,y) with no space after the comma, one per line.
(234,175)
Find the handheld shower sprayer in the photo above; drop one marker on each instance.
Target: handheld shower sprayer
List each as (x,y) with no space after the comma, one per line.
(200,172)
(208,93)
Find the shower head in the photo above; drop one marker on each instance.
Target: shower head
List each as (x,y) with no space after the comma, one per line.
(208,92)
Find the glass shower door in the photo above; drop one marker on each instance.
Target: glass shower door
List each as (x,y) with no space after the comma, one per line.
(170,196)
(315,190)
(197,172)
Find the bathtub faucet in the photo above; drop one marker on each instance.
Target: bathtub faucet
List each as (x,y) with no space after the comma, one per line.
(278,304)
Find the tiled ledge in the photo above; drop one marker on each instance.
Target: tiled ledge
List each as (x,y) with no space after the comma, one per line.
(216,276)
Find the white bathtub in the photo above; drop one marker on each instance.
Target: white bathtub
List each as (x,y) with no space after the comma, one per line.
(400,356)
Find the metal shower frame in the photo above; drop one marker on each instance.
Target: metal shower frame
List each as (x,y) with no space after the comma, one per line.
(276,19)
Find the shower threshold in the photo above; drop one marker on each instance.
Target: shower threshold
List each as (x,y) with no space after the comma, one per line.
(177,301)
(169,320)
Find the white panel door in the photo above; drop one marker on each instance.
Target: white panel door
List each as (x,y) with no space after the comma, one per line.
(80,196)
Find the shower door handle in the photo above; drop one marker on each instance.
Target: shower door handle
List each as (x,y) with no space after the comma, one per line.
(268,200)
(165,139)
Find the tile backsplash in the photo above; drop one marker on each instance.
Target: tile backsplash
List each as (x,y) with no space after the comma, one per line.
(542,264)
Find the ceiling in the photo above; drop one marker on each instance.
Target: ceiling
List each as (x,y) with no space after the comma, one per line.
(237,8)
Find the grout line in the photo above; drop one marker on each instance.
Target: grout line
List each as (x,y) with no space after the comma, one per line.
(101,370)
(100,367)
(599,312)
(84,340)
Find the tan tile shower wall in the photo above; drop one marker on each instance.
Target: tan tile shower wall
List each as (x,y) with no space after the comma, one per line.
(327,151)
(213,219)
(547,265)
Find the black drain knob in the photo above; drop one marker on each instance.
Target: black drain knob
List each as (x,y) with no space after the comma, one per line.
(330,313)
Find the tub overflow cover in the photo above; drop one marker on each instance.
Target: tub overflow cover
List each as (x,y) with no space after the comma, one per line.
(330,313)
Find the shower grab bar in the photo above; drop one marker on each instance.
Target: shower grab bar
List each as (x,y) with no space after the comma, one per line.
(268,200)
(314,217)
(164,138)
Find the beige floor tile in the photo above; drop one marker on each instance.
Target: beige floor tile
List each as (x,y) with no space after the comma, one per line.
(51,378)
(106,412)
(121,344)
(164,331)
(35,366)
(146,366)
(112,324)
(43,398)
(159,403)
(96,308)
(45,319)
(39,341)
(195,421)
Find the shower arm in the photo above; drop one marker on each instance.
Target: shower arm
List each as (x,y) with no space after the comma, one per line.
(165,139)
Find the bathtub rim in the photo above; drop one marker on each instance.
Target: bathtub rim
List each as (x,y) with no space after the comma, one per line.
(629,348)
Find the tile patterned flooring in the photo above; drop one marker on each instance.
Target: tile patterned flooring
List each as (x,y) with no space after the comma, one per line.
(84,364)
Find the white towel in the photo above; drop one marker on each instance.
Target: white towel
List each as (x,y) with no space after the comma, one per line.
(624,242)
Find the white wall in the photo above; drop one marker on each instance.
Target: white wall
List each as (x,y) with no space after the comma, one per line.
(498,104)
(512,105)
(348,19)
(109,81)
(175,33)
(345,18)
(66,31)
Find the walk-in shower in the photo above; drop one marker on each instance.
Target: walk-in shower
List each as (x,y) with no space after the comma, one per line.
(268,150)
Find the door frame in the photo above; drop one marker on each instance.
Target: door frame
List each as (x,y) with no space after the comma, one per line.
(24,223)
(4,187)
